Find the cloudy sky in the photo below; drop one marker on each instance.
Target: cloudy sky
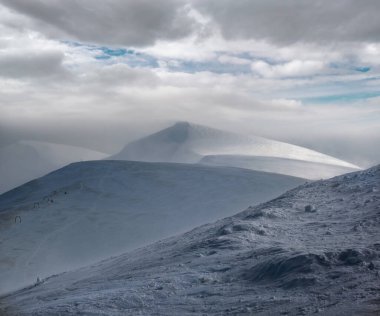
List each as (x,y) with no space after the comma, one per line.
(98,73)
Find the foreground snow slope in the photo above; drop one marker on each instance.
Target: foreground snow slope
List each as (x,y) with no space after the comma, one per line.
(26,160)
(278,258)
(191,143)
(91,210)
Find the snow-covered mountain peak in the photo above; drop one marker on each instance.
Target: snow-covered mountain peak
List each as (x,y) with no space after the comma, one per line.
(182,132)
(192,143)
(178,133)
(182,125)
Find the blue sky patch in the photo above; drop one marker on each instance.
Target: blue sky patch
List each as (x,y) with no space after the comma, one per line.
(114,52)
(211,66)
(363,69)
(341,98)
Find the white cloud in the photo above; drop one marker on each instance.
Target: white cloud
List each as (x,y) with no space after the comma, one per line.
(226,59)
(369,53)
(31,64)
(294,68)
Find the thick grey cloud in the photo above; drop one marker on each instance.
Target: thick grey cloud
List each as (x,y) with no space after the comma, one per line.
(31,64)
(104,103)
(289,21)
(115,22)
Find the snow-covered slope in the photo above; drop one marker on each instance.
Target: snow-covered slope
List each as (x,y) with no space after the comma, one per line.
(91,210)
(313,250)
(26,160)
(191,143)
(293,167)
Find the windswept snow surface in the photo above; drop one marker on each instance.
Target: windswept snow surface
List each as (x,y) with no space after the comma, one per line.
(313,250)
(297,168)
(91,210)
(191,143)
(26,160)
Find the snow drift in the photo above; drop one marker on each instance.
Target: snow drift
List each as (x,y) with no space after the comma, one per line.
(91,210)
(314,249)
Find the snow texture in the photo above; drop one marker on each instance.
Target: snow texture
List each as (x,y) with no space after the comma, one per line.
(271,259)
(92,210)
(191,143)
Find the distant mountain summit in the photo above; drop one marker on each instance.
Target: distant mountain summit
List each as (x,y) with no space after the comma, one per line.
(183,142)
(191,143)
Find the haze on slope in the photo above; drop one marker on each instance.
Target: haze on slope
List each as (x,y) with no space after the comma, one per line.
(280,257)
(91,210)
(26,160)
(191,143)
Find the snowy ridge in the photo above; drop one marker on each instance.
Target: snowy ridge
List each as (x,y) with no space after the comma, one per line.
(190,143)
(117,206)
(313,250)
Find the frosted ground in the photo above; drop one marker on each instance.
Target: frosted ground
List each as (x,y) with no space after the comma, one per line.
(313,250)
(92,210)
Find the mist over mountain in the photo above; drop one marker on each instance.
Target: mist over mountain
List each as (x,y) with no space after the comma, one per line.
(26,160)
(192,143)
